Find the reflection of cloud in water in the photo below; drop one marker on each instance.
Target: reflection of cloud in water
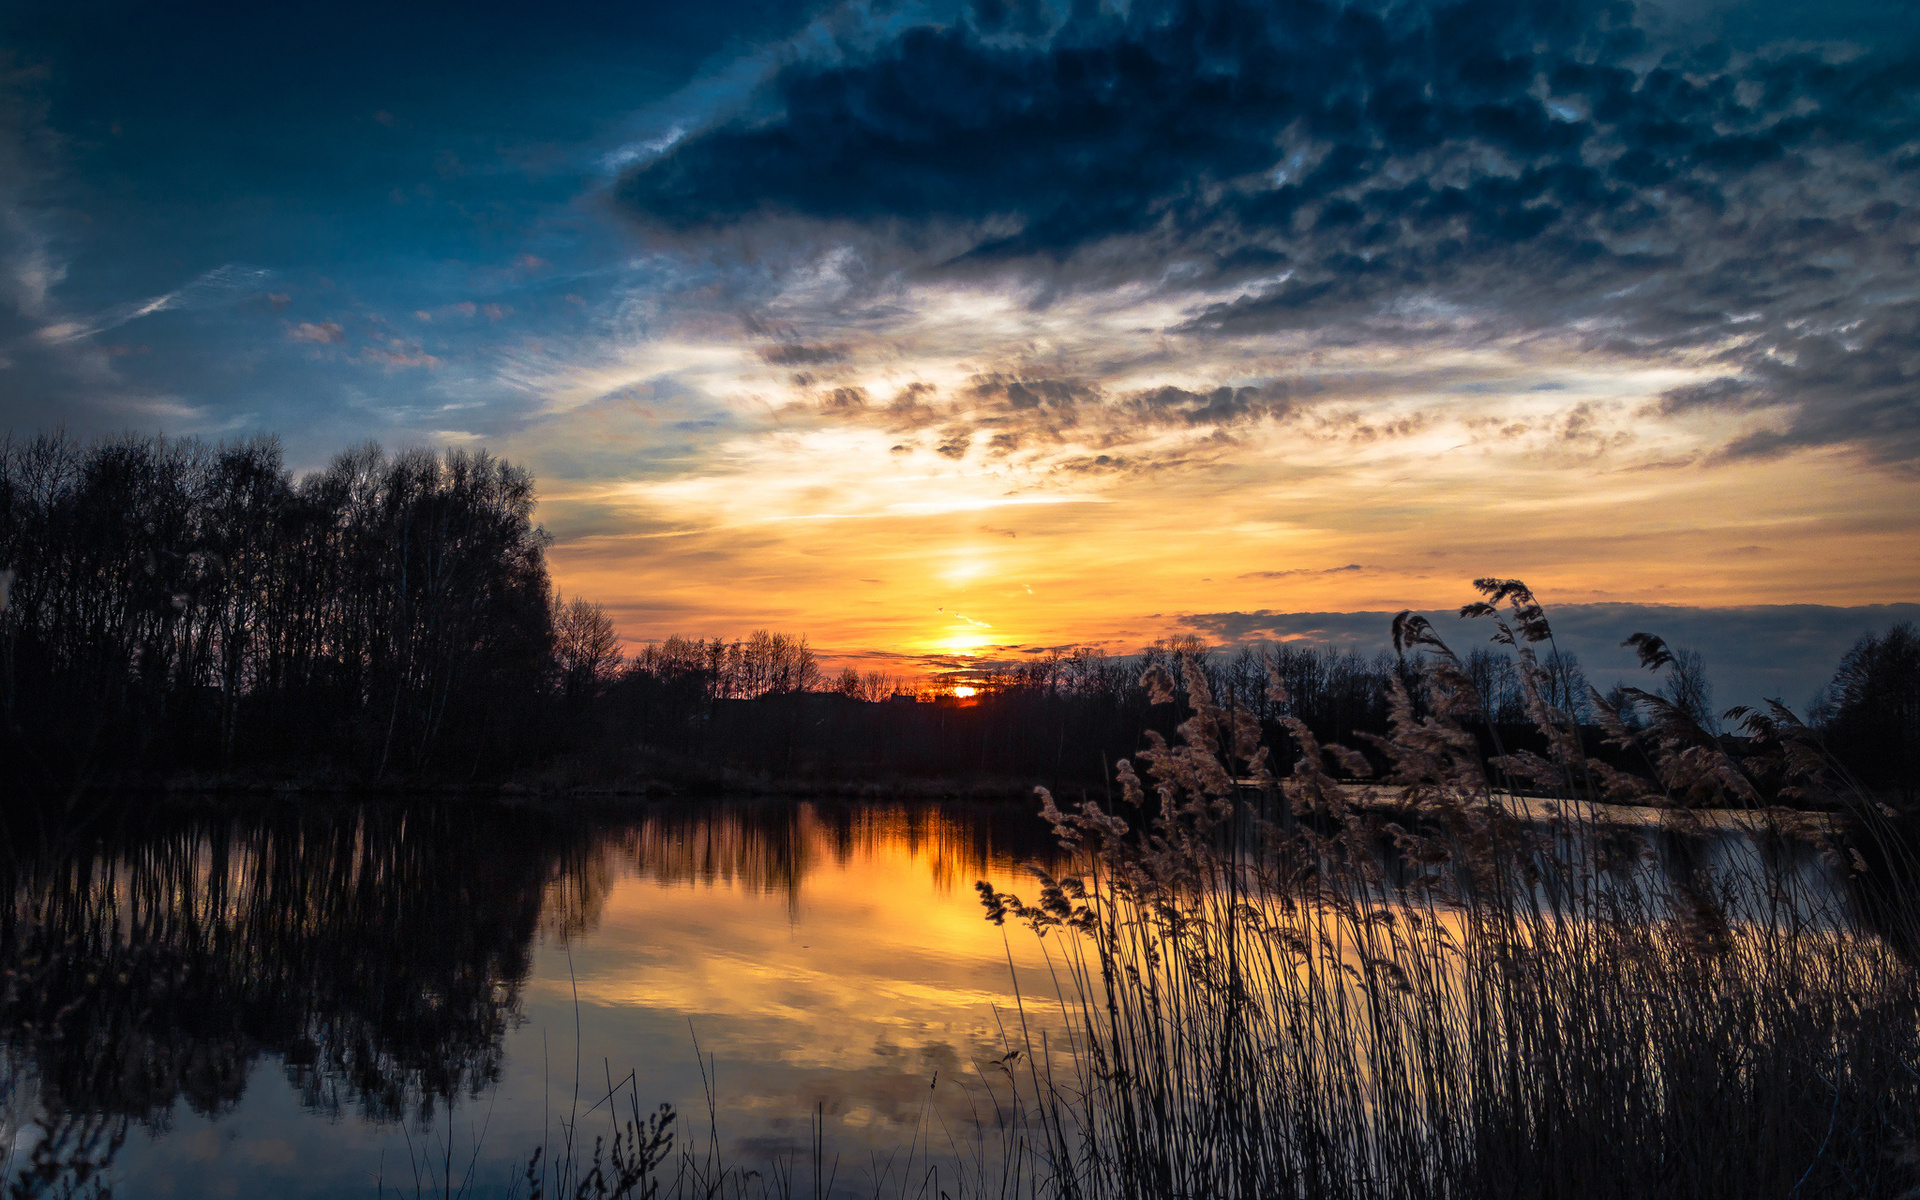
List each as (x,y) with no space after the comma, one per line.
(398,960)
(829,955)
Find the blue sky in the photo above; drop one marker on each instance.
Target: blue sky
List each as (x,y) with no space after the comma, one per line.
(245,208)
(948,329)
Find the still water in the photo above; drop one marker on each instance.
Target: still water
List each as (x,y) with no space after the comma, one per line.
(343,1000)
(339,1000)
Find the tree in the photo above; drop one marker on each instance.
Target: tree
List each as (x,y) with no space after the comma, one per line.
(1496,677)
(1689,689)
(1874,707)
(586,648)
(848,684)
(178,603)
(1564,685)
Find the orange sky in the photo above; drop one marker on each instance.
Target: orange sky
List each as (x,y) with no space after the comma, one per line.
(897,502)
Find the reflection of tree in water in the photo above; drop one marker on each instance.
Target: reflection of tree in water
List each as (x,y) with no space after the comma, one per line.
(379,952)
(579,880)
(61,1155)
(69,1158)
(773,845)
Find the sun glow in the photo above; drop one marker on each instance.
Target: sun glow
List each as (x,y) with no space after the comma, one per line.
(964,569)
(963,691)
(965,645)
(855,527)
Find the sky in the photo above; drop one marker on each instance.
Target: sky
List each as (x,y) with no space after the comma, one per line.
(947,333)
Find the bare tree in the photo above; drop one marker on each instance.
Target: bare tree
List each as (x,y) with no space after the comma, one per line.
(877,687)
(1689,689)
(586,647)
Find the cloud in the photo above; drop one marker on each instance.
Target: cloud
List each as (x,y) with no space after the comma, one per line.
(1350,568)
(52,370)
(1415,176)
(29,265)
(1752,652)
(323,333)
(799,356)
(399,355)
(1215,406)
(208,287)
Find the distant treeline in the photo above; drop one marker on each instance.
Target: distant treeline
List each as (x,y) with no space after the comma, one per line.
(169,605)
(1062,718)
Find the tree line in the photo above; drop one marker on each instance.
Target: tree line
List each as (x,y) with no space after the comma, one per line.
(173,604)
(176,603)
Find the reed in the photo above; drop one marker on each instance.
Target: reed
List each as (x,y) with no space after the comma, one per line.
(1488,991)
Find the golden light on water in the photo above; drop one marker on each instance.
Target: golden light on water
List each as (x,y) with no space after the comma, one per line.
(821,955)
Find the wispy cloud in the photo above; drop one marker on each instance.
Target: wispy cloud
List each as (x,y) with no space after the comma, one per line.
(320,333)
(1299,571)
(29,267)
(209,287)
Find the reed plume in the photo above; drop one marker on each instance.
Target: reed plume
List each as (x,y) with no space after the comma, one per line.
(1466,979)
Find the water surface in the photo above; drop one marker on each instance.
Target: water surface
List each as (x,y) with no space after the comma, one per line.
(327,1001)
(334,1000)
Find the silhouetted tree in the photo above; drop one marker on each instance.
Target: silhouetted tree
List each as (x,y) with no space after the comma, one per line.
(175,603)
(1872,709)
(1688,687)
(586,648)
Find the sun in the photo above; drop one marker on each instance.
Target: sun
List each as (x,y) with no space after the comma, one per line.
(964,691)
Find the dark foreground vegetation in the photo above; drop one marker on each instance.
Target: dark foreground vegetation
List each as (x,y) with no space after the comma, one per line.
(1465,1002)
(171,609)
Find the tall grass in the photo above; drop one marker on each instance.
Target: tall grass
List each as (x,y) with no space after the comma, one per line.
(1477,993)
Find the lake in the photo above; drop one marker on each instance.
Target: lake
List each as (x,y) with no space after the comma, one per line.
(325,1000)
(334,999)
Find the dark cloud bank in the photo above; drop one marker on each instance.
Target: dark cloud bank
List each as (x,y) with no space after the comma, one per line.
(1753,653)
(1455,171)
